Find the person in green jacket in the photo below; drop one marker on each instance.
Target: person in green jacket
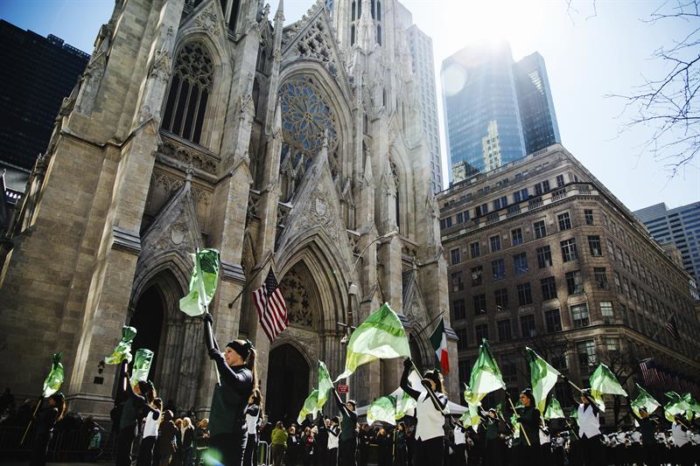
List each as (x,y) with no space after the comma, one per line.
(278,444)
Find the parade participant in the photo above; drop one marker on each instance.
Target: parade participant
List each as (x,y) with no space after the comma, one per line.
(647,427)
(348,434)
(529,420)
(278,444)
(333,441)
(150,434)
(140,397)
(430,419)
(252,418)
(460,445)
(494,440)
(167,439)
(322,426)
(681,441)
(46,419)
(589,445)
(238,374)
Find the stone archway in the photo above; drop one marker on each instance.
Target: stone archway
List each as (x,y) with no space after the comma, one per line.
(148,322)
(287,383)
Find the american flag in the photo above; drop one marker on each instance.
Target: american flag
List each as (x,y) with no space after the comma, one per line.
(672,327)
(272,310)
(646,371)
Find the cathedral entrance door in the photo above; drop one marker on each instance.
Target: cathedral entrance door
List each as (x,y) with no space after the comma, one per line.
(287,384)
(148,322)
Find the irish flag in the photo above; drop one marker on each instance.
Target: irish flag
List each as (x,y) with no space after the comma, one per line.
(439,341)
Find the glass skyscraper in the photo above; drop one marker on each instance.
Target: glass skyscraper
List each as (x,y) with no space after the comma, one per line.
(497,111)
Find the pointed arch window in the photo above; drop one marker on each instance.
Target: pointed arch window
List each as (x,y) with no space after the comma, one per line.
(233,18)
(190,88)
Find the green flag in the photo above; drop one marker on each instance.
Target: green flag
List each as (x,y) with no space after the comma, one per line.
(404,403)
(693,407)
(380,336)
(122,352)
(205,277)
(677,405)
(142,366)
(471,418)
(554,410)
(382,409)
(604,382)
(543,378)
(644,400)
(485,377)
(325,384)
(53,381)
(310,406)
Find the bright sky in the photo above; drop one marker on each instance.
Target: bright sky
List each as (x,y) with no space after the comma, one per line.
(588,56)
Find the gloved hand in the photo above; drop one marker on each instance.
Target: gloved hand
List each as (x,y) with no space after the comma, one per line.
(407,364)
(207,317)
(214,353)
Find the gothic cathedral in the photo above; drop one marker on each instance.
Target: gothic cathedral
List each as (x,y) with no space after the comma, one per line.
(208,123)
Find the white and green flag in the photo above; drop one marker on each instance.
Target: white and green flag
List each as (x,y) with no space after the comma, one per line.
(604,382)
(554,410)
(543,378)
(382,409)
(325,384)
(380,336)
(53,381)
(404,404)
(122,352)
(310,406)
(142,366)
(485,377)
(644,400)
(205,277)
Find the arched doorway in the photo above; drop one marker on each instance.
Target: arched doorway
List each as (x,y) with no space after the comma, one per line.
(287,383)
(148,322)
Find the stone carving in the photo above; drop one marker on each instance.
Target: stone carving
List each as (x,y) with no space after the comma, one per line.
(207,20)
(188,155)
(90,83)
(296,296)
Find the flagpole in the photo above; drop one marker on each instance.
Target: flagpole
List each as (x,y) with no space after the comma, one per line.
(522,429)
(430,391)
(250,280)
(26,431)
(203,303)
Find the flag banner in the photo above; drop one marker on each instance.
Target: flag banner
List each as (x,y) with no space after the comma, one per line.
(644,400)
(543,378)
(310,406)
(122,352)
(677,405)
(485,377)
(604,382)
(693,409)
(325,384)
(439,341)
(142,366)
(271,307)
(554,410)
(53,381)
(404,405)
(380,336)
(471,418)
(382,409)
(672,328)
(205,277)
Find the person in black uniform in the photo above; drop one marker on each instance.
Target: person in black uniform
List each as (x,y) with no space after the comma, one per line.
(238,374)
(430,418)
(140,396)
(647,427)
(252,417)
(348,435)
(529,420)
(46,419)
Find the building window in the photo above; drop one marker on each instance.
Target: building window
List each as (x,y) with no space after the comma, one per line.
(462,341)
(465,369)
(479,301)
(459,309)
(611,249)
(482,209)
(501,298)
(520,263)
(552,320)
(626,286)
(601,278)
(580,316)
(482,333)
(477,275)
(522,195)
(455,256)
(606,311)
(516,236)
(524,294)
(498,267)
(618,284)
(549,288)
(594,246)
(474,249)
(500,203)
(544,257)
(457,281)
(504,330)
(541,188)
(190,87)
(460,217)
(527,326)
(574,284)
(564,221)
(568,250)
(509,371)
(495,242)
(612,344)
(587,359)
(560,181)
(588,214)
(540,229)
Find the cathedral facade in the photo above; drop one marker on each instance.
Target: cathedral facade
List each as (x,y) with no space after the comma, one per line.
(211,123)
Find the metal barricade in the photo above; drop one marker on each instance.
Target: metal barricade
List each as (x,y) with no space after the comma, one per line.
(263,454)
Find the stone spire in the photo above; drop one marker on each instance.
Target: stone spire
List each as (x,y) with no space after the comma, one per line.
(279,16)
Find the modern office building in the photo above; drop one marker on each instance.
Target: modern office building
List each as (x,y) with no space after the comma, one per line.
(541,254)
(36,74)
(496,111)
(421,47)
(680,227)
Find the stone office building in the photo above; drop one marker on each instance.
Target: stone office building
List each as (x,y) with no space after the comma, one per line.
(211,123)
(541,254)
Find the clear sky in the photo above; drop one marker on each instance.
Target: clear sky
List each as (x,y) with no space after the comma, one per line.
(589,55)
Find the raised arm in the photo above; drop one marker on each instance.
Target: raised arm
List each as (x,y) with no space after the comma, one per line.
(405,384)
(241,381)
(341,406)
